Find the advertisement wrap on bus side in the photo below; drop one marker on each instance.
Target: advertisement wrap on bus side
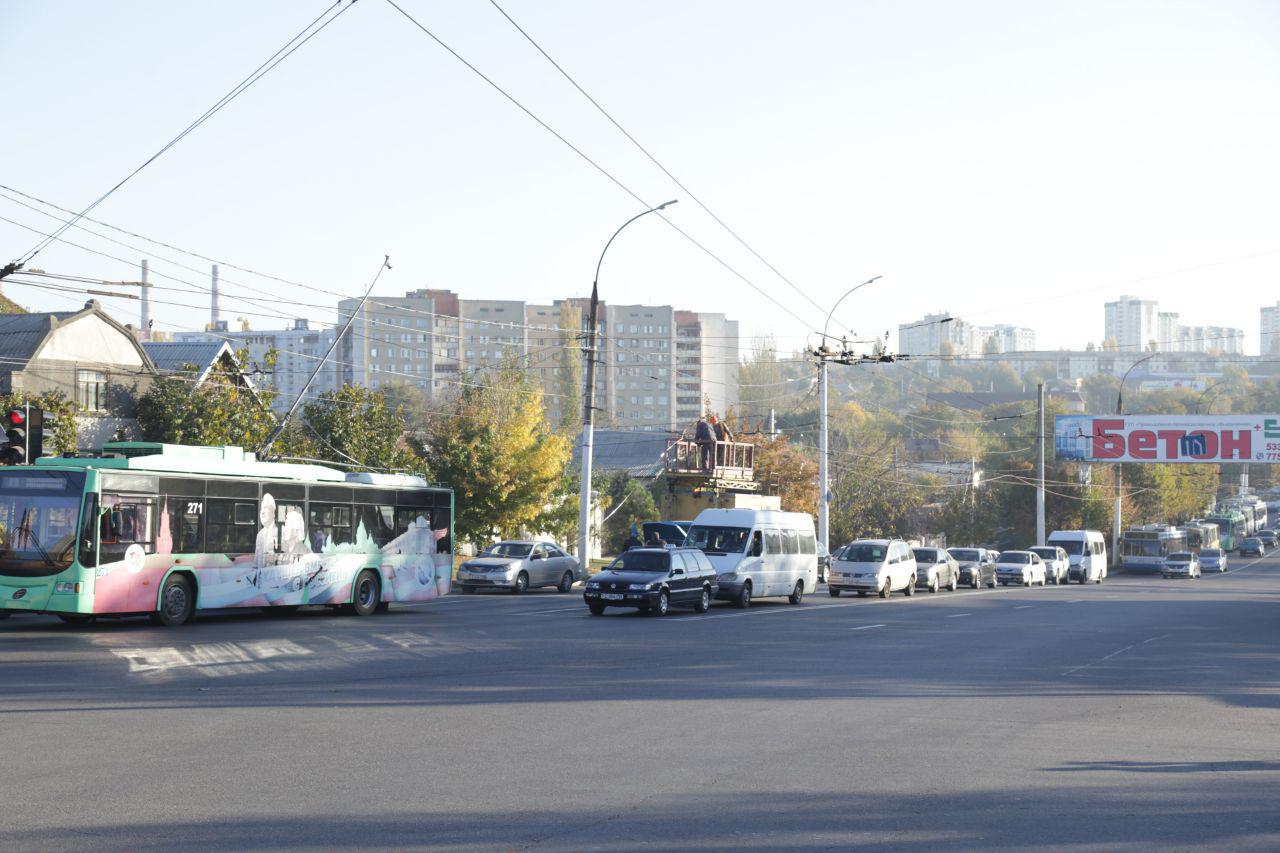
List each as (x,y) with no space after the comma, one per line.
(284,569)
(1167,438)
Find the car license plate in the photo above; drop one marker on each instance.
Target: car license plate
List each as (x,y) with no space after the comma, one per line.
(611,596)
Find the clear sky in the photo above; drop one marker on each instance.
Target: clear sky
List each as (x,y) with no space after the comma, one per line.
(1006,161)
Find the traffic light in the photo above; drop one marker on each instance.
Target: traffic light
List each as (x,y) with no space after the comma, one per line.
(24,431)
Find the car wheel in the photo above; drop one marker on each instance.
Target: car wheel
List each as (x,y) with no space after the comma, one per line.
(911,586)
(596,609)
(522,584)
(566,582)
(976,582)
(367,593)
(744,596)
(177,602)
(994,581)
(951,587)
(887,589)
(797,594)
(933,585)
(662,605)
(704,603)
(834,593)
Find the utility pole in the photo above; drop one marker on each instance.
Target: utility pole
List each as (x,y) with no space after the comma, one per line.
(144,318)
(1040,532)
(824,477)
(588,431)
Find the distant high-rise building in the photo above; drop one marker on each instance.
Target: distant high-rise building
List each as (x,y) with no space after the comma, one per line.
(1003,338)
(1131,322)
(1270,329)
(937,334)
(1168,332)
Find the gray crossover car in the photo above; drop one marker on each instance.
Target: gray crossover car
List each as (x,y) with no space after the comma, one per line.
(516,566)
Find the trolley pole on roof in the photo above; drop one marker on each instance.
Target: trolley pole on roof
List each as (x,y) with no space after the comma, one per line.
(279,428)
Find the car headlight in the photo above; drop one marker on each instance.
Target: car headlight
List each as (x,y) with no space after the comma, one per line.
(637,587)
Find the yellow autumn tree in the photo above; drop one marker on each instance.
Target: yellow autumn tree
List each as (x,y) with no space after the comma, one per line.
(493,447)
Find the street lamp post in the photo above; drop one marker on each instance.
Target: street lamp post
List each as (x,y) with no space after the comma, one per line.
(1116,523)
(589,400)
(824,477)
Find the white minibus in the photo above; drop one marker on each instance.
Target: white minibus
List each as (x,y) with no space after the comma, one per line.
(758,552)
(1086,552)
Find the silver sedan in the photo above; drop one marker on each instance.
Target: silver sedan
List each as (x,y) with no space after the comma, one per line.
(517,565)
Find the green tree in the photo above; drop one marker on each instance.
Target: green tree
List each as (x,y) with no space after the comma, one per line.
(568,384)
(629,502)
(356,425)
(492,445)
(177,411)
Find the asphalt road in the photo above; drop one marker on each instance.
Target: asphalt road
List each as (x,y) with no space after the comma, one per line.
(1140,714)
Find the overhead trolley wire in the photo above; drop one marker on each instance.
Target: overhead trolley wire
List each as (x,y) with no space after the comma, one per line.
(310,31)
(652,159)
(582,154)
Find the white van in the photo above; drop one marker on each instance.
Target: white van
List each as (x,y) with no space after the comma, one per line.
(873,565)
(758,552)
(1086,552)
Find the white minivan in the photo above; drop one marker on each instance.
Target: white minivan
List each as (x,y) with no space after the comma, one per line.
(758,552)
(873,565)
(1086,552)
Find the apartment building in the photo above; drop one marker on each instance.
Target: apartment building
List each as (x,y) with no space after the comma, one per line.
(1131,322)
(1269,329)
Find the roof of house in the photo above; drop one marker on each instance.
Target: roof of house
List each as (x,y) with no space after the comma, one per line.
(638,452)
(22,334)
(186,356)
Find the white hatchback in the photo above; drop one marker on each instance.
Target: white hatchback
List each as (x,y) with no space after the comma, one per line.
(1020,567)
(882,566)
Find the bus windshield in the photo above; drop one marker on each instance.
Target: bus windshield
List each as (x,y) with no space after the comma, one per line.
(38,515)
(718,540)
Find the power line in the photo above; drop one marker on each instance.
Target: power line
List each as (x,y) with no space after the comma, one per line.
(653,159)
(616,181)
(305,35)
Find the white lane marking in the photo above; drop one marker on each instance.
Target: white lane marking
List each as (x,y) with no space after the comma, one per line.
(865,627)
(1106,658)
(1023,606)
(957,615)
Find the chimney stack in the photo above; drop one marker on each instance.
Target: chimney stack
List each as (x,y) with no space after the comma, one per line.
(213,302)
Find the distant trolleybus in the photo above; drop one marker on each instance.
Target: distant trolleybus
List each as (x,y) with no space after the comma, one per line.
(1200,535)
(1231,527)
(1145,548)
(165,530)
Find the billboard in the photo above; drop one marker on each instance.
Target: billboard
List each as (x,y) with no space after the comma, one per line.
(1167,438)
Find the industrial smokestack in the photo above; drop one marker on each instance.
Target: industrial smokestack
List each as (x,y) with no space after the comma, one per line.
(144,322)
(213,302)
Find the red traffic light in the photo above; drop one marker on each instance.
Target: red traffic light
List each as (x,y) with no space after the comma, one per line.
(16,417)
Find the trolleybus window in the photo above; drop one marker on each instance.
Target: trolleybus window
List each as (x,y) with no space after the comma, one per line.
(232,526)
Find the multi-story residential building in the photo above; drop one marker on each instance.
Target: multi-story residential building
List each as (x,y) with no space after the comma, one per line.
(1002,338)
(640,351)
(297,352)
(1131,322)
(1211,339)
(1269,329)
(391,340)
(556,337)
(1169,334)
(936,334)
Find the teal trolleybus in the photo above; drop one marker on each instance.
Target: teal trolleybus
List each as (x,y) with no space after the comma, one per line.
(1231,527)
(166,530)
